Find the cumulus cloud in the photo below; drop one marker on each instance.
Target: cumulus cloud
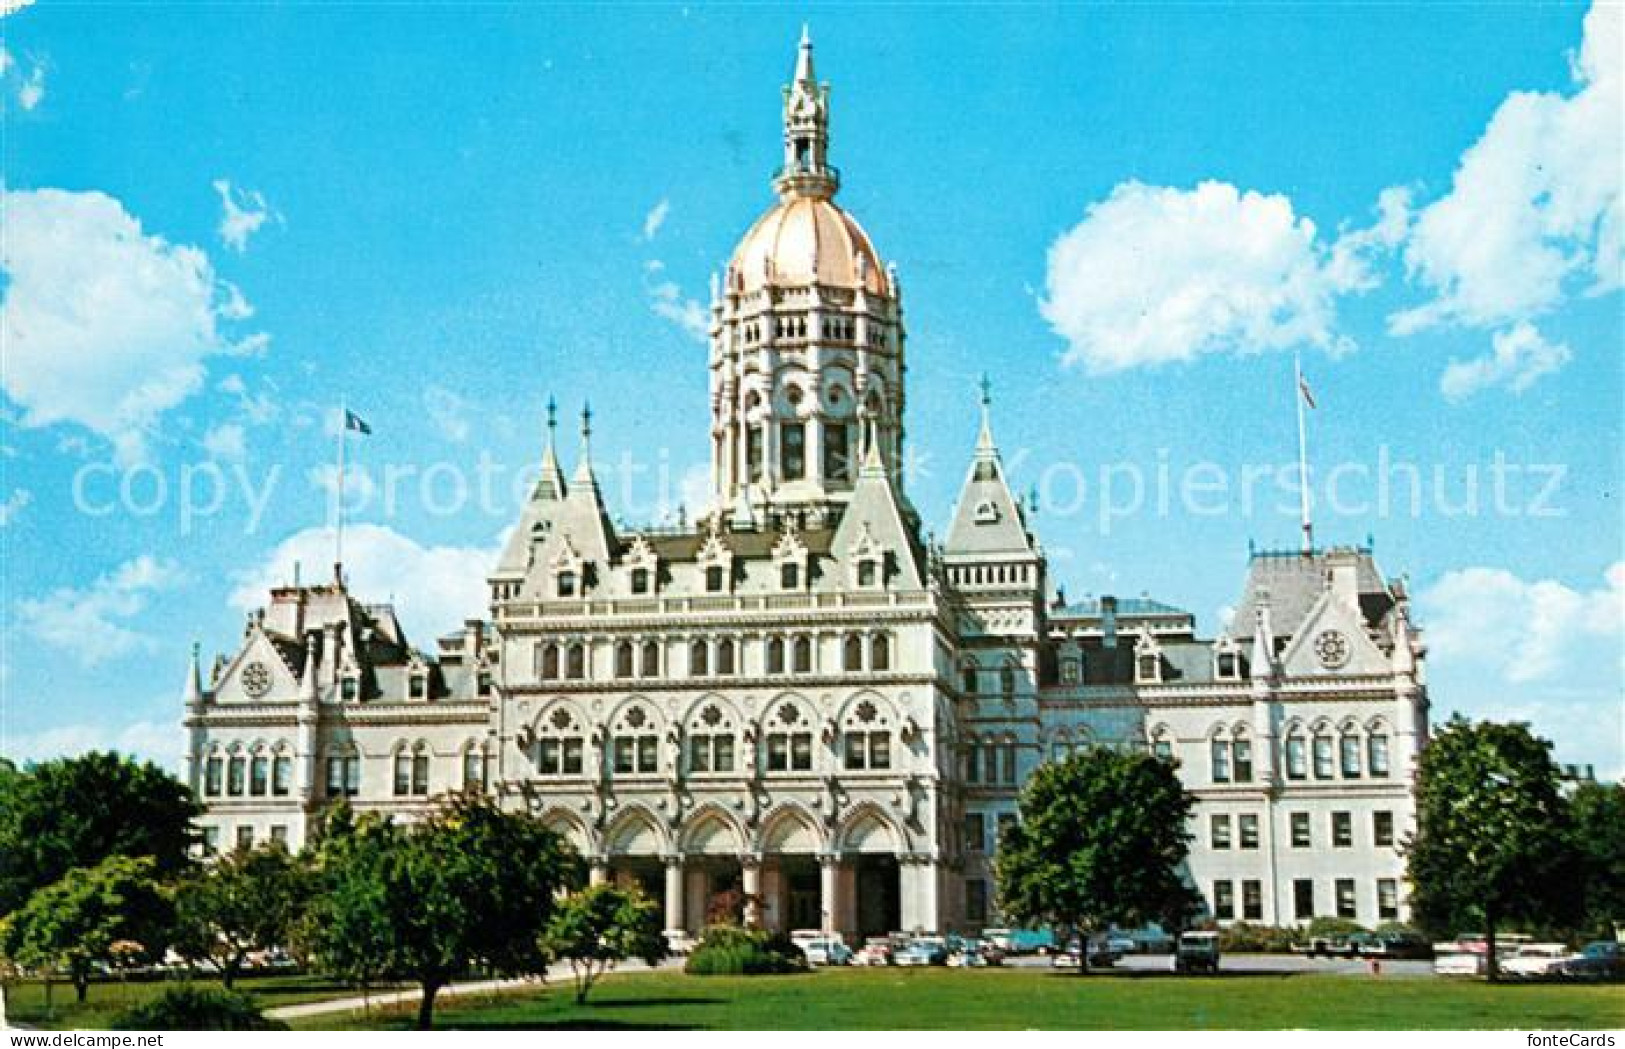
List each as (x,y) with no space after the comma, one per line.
(93,624)
(242,213)
(1534,212)
(105,325)
(1519,358)
(8,7)
(448,412)
(667,300)
(1509,649)
(655,219)
(1522,631)
(433,588)
(1155,274)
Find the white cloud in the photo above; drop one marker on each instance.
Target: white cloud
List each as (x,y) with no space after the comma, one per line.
(14,505)
(255,408)
(1544,652)
(1154,274)
(1518,630)
(105,325)
(161,742)
(655,219)
(1534,210)
(27,85)
(667,300)
(433,588)
(1518,359)
(448,412)
(11,7)
(92,624)
(242,213)
(227,442)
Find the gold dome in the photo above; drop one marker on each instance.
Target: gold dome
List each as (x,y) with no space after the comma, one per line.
(801,234)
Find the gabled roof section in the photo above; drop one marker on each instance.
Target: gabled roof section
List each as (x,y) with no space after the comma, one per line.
(536,519)
(1292,582)
(988,519)
(875,516)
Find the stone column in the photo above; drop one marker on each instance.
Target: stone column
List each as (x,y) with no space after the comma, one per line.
(598,872)
(750,871)
(674,892)
(829,879)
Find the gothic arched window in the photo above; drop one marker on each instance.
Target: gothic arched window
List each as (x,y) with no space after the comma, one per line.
(803,655)
(775,655)
(880,652)
(651,659)
(699,658)
(623,659)
(852,652)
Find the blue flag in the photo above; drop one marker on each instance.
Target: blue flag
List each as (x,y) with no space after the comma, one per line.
(352,421)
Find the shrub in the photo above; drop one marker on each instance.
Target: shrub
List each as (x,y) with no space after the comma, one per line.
(188,1008)
(728,950)
(1244,938)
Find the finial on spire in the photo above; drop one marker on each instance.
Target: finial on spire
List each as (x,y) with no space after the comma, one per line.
(804,57)
(552,417)
(987,391)
(586,422)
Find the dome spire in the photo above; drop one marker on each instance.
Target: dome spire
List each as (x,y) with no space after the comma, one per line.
(806,171)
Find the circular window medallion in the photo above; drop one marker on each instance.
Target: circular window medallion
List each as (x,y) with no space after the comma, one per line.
(1332,648)
(256,679)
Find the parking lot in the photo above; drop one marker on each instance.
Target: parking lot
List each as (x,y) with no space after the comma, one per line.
(1256,964)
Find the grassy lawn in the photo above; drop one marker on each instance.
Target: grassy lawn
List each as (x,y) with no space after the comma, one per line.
(25,1002)
(1005,999)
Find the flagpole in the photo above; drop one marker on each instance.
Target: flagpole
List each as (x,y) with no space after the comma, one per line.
(338,497)
(1303,458)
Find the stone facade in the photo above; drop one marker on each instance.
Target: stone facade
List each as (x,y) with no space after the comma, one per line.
(800,697)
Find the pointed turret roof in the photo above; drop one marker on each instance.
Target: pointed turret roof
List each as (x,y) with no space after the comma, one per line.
(875,516)
(988,519)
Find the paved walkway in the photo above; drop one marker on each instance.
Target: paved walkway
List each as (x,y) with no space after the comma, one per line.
(558,977)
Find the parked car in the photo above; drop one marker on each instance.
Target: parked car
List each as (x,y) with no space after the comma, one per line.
(827,950)
(1121,943)
(802,937)
(876,950)
(1536,961)
(924,950)
(1601,960)
(1068,957)
(1450,960)
(1021,941)
(976,954)
(1197,952)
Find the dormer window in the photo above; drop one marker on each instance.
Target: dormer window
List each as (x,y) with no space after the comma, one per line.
(417,685)
(987,512)
(640,580)
(869,572)
(790,576)
(349,686)
(1070,670)
(1229,666)
(482,683)
(1148,668)
(566,584)
(714,579)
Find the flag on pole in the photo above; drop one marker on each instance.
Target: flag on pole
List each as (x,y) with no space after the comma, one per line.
(1303,388)
(352,421)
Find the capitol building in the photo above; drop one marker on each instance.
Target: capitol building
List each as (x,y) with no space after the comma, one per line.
(801,698)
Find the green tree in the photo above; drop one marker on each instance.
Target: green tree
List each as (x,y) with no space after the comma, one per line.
(1101,839)
(248,900)
(600,926)
(76,812)
(470,885)
(1493,840)
(1599,836)
(73,924)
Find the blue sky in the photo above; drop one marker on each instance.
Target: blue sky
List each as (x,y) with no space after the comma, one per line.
(222,219)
